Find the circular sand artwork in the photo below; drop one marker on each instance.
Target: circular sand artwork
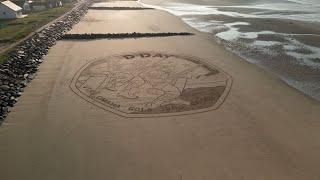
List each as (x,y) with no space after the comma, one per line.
(149,84)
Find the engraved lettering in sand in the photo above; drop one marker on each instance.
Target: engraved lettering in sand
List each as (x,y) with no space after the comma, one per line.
(148,84)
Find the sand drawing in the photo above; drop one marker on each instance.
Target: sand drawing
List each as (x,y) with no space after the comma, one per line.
(148,84)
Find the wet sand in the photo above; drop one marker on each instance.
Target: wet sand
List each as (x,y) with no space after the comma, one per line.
(279,36)
(275,25)
(205,2)
(262,129)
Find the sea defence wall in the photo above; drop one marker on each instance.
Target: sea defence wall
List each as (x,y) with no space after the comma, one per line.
(23,61)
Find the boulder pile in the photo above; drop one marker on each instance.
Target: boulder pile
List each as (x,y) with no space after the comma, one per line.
(22,62)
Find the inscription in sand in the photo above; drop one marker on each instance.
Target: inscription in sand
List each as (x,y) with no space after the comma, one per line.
(152,84)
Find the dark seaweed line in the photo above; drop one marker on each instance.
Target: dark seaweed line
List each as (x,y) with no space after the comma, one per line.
(122,35)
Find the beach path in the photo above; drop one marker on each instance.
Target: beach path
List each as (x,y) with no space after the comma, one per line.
(173,108)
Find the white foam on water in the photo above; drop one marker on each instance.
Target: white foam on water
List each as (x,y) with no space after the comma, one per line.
(307,2)
(303,58)
(205,26)
(181,9)
(308,13)
(233,32)
(265,43)
(290,48)
(300,10)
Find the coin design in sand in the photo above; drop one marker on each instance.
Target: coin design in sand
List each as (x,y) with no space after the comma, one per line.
(150,84)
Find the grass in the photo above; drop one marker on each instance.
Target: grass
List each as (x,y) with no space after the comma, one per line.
(3,56)
(16,29)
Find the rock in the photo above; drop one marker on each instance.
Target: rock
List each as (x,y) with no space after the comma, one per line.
(5,109)
(4,104)
(5,87)
(32,76)
(23,83)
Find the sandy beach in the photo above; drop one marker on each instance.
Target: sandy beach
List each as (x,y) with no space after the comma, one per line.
(279,36)
(180,108)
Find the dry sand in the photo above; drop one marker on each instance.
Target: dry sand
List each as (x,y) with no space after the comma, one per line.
(117,21)
(262,129)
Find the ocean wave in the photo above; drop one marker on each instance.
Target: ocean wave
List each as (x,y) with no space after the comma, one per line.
(307,2)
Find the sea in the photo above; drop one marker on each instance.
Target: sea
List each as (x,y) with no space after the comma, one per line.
(280,36)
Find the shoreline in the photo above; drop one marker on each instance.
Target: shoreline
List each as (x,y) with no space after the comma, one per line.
(277,48)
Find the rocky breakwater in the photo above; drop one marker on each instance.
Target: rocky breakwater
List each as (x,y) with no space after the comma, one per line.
(90,36)
(22,63)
